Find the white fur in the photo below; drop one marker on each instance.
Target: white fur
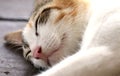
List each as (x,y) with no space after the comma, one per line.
(51,34)
(100,50)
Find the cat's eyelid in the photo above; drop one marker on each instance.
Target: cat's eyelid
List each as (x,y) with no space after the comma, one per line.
(27,53)
(42,18)
(46,9)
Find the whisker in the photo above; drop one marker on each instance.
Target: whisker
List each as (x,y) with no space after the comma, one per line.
(49,40)
(61,35)
(53,40)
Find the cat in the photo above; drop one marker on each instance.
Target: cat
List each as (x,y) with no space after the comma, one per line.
(88,30)
(45,40)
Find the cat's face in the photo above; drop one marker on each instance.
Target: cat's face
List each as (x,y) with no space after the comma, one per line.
(42,37)
(46,33)
(53,32)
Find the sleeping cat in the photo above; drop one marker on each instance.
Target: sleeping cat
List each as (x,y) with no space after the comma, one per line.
(46,40)
(84,32)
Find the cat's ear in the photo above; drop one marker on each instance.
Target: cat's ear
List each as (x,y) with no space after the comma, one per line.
(14,37)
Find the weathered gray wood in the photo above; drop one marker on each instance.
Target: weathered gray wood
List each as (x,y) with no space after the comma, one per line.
(16,8)
(12,62)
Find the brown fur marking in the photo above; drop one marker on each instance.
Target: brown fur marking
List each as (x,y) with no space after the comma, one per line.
(59,17)
(29,24)
(65,3)
(73,13)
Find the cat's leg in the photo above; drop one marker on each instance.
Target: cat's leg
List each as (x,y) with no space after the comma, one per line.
(100,54)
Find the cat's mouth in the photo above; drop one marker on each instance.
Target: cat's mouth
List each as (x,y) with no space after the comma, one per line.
(45,57)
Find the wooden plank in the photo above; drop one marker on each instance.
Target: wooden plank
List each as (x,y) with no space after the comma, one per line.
(12,62)
(16,8)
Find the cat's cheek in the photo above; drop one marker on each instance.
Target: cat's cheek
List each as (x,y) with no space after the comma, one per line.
(55,58)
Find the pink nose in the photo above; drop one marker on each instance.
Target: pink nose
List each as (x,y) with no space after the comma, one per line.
(37,53)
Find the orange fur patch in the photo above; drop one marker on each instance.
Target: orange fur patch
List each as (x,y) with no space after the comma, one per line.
(71,3)
(65,3)
(29,24)
(62,4)
(74,6)
(59,17)
(74,13)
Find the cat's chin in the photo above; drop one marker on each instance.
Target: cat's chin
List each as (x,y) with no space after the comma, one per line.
(39,63)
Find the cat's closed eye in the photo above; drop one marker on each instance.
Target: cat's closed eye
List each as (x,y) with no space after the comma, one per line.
(26,48)
(41,19)
(49,34)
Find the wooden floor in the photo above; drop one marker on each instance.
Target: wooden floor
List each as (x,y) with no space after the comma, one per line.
(13,16)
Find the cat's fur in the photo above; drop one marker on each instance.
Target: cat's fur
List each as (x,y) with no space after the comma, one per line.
(53,33)
(99,53)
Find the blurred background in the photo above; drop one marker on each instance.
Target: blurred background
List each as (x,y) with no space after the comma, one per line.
(13,16)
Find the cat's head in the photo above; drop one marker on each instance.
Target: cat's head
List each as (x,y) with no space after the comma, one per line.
(53,27)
